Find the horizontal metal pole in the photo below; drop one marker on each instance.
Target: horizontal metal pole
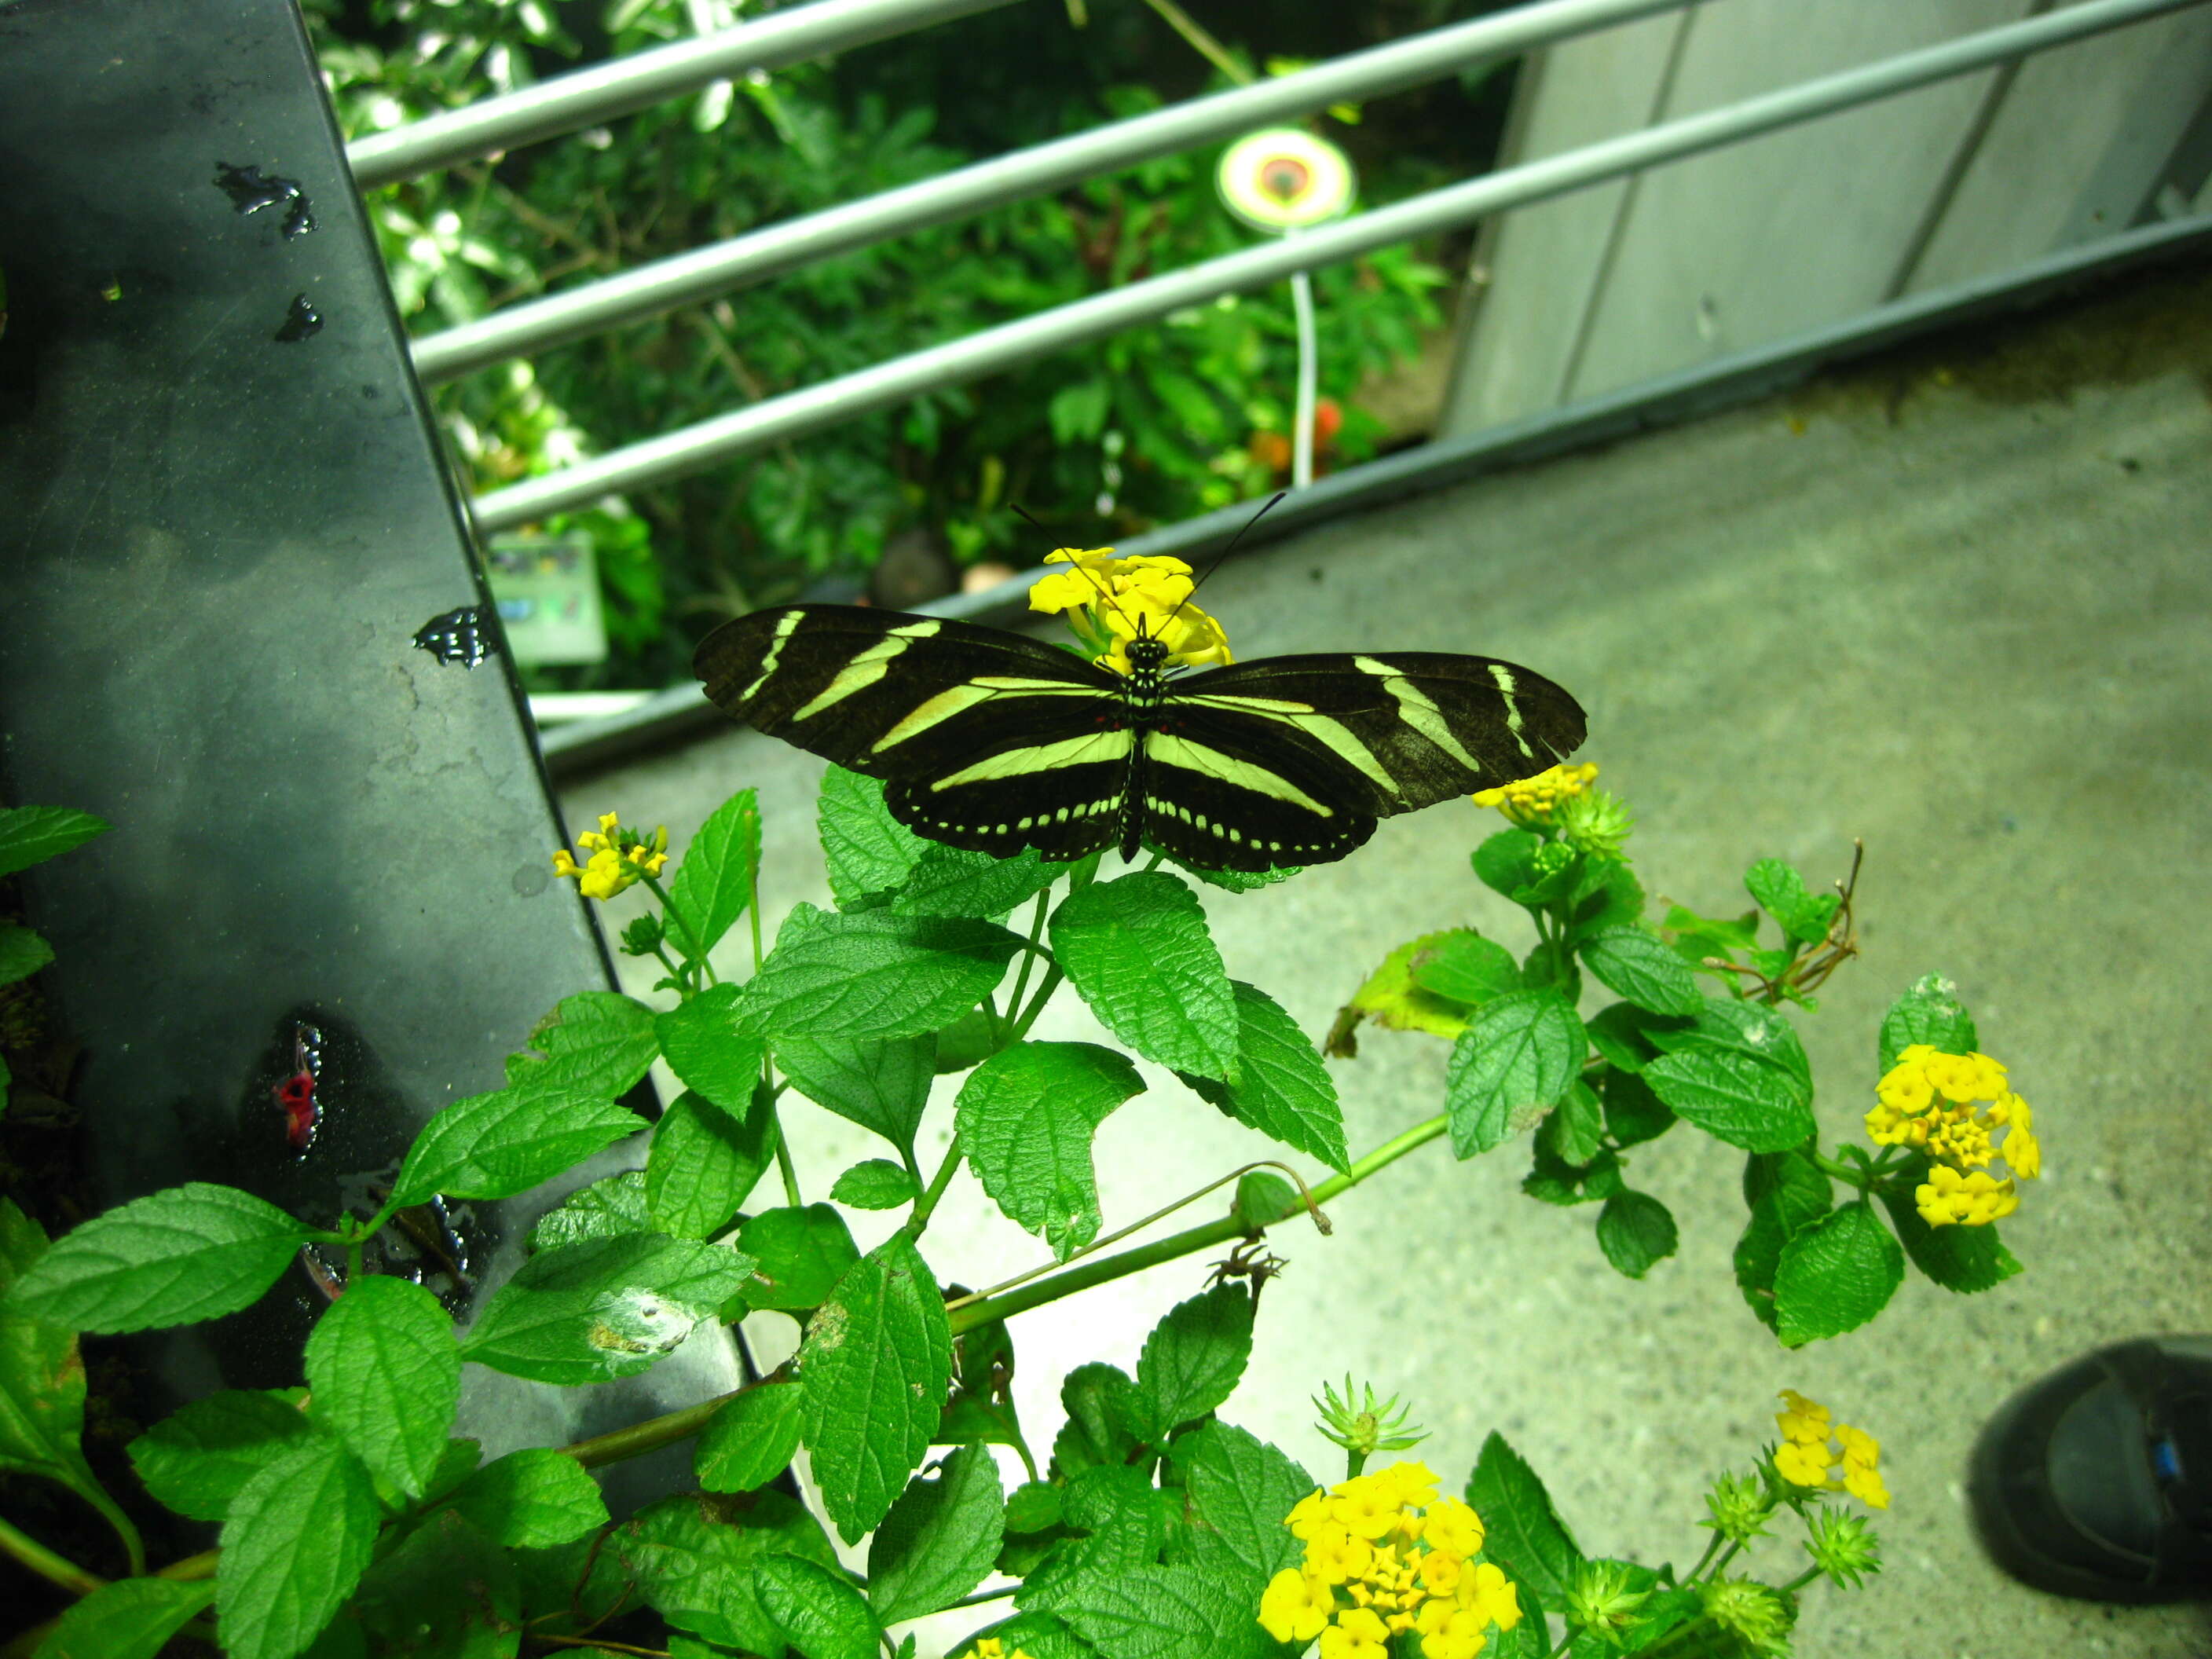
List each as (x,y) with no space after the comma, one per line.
(1686,394)
(759,255)
(606,90)
(813,408)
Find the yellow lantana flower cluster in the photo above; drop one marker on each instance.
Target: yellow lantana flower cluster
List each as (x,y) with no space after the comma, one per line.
(1384,1554)
(1950,1107)
(1807,1455)
(605,873)
(1109,600)
(990,1647)
(1534,800)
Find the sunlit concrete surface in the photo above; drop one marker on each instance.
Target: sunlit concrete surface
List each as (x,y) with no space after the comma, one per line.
(1958,603)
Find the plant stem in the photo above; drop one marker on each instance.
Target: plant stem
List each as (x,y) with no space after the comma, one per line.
(927,1202)
(1030,956)
(1029,1017)
(692,952)
(639,1439)
(56,1568)
(783,1163)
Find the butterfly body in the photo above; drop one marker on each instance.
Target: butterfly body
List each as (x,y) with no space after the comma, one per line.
(993,742)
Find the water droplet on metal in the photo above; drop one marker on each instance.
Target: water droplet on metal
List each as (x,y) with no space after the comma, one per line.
(251,190)
(466,636)
(302,321)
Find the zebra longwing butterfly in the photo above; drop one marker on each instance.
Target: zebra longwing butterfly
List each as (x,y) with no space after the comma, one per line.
(993,742)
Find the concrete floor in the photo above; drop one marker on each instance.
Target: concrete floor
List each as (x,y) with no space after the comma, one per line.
(1957,603)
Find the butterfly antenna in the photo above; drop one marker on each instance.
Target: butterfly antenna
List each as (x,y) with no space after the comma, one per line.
(1223,557)
(1104,592)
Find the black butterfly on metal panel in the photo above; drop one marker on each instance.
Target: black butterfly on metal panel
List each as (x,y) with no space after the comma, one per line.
(993,742)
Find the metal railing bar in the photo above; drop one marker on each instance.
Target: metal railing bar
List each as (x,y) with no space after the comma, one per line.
(588,96)
(955,362)
(1665,400)
(759,255)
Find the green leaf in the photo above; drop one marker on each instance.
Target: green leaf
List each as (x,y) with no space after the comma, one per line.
(385,1374)
(751,1440)
(1967,1260)
(533,1498)
(1578,1125)
(871,974)
(819,1613)
(1284,1090)
(1835,1275)
(939,1541)
(594,1045)
(32,835)
(874,1368)
(1727,1025)
(1695,936)
(195,1460)
(867,851)
(1026,1116)
(22,952)
(947,881)
(131,1618)
(446,1592)
(881,1084)
(968,1042)
(1511,1065)
(1077,412)
(41,1375)
(1636,966)
(800,1254)
(1231,881)
(1552,1180)
(701,1040)
(1462,966)
(1787,1192)
(497,1144)
(1240,1488)
(1621,1032)
(875,1184)
(694,1557)
(703,1163)
(1929,1012)
(1782,894)
(1392,1000)
(1100,1400)
(1609,897)
(1162,1612)
(1633,1114)
(1138,951)
(1264,1198)
(1636,1232)
(603,1309)
(608,1207)
(294,1543)
(1734,1097)
(713,885)
(1523,1533)
(189,1253)
(1192,1360)
(1506,862)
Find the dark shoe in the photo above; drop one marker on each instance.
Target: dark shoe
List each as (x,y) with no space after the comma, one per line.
(2096,1482)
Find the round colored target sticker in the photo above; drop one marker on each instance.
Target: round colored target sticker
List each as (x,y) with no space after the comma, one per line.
(1285,178)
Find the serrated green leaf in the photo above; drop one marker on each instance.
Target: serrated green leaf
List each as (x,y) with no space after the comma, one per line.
(1729,1024)
(713,885)
(1835,1275)
(1506,862)
(606,1209)
(1462,966)
(1138,951)
(868,852)
(1284,1089)
(1929,1012)
(532,1499)
(1040,1635)
(1633,1114)
(1100,1400)
(1231,881)
(1511,1065)
(1609,897)
(1241,1489)
(602,1309)
(751,1440)
(131,1618)
(939,1541)
(195,1460)
(871,974)
(32,835)
(41,1375)
(22,952)
(1393,1002)
(1523,1533)
(703,1163)
(1635,965)
(1578,1125)
(700,1041)
(1193,1359)
(693,1559)
(819,1613)
(1782,893)
(1734,1097)
(798,1256)
(386,1374)
(595,1044)
(446,1592)
(1787,1192)
(949,881)
(968,1042)
(881,1084)
(1026,1117)
(188,1253)
(1621,1033)
(874,1368)
(1636,1231)
(1965,1259)
(296,1541)
(875,1184)
(497,1144)
(1164,1612)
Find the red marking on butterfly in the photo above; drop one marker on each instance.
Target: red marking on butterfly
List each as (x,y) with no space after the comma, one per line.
(296,1095)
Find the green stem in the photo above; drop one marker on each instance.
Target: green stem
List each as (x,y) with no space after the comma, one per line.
(1029,1017)
(691,950)
(1711,1545)
(1030,956)
(38,1559)
(927,1202)
(783,1163)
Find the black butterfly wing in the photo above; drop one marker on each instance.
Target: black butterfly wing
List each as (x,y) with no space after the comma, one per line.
(1289,760)
(985,740)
